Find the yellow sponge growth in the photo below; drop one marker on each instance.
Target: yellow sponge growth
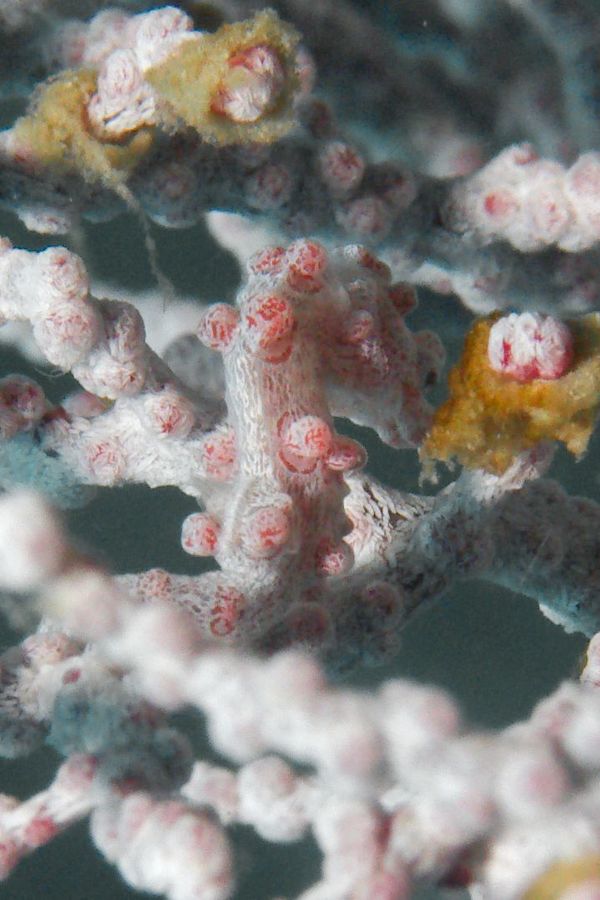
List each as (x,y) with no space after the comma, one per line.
(563,876)
(189,79)
(56,132)
(490,417)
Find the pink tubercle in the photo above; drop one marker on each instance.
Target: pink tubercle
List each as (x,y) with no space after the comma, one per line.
(170,414)
(500,204)
(105,461)
(266,532)
(307,436)
(341,167)
(528,346)
(217,326)
(332,558)
(200,534)
(218,454)
(346,455)
(268,321)
(252,85)
(307,261)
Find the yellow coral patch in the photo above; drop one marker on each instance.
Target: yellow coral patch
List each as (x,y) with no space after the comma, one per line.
(56,132)
(189,79)
(490,417)
(562,876)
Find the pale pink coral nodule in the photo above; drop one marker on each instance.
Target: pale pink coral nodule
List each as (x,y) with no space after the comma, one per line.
(530,346)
